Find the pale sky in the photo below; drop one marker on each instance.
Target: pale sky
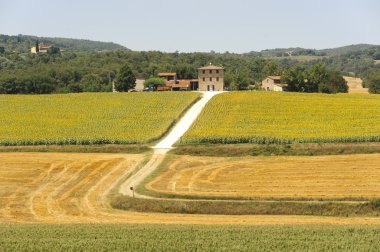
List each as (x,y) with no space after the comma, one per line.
(198,25)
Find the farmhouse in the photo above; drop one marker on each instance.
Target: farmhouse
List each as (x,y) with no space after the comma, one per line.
(273,83)
(41,48)
(211,78)
(173,84)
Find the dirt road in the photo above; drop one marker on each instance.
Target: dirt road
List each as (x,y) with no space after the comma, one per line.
(165,145)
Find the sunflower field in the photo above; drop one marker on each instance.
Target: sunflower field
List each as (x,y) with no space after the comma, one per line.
(89,118)
(284,118)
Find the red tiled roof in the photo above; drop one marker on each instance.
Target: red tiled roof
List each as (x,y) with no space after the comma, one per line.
(166,74)
(274,77)
(211,67)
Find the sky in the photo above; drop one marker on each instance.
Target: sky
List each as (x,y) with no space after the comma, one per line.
(198,25)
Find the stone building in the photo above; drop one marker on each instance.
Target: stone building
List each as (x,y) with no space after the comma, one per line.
(211,78)
(273,83)
(42,48)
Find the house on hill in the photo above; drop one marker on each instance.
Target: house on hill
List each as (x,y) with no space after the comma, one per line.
(211,78)
(40,48)
(273,83)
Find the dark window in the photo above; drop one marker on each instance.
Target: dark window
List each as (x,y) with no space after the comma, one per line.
(203,71)
(204,79)
(210,71)
(210,78)
(217,78)
(217,71)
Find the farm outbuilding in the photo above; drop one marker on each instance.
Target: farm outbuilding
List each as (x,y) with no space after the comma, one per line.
(273,83)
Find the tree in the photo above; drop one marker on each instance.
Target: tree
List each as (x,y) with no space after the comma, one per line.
(373,82)
(54,50)
(125,79)
(315,76)
(37,47)
(336,82)
(90,83)
(2,49)
(294,77)
(153,82)
(239,81)
(376,56)
(271,68)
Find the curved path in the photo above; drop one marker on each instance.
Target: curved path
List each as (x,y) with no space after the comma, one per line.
(165,145)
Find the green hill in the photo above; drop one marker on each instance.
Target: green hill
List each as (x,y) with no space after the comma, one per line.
(298,51)
(347,49)
(23,43)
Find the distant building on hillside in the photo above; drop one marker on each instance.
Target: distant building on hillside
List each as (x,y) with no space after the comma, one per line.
(273,83)
(211,78)
(40,48)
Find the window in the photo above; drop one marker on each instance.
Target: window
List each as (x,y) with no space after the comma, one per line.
(204,79)
(217,71)
(203,71)
(210,71)
(210,78)
(217,78)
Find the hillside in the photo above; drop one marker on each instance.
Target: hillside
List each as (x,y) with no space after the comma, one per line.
(23,43)
(347,49)
(90,66)
(298,51)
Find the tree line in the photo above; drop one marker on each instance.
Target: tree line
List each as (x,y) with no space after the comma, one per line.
(97,71)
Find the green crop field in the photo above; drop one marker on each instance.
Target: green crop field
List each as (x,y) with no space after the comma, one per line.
(274,117)
(187,238)
(89,118)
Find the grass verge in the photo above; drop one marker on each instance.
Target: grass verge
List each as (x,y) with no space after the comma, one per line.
(245,207)
(105,148)
(312,149)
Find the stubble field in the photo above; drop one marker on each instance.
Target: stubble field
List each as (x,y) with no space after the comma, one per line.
(54,188)
(319,177)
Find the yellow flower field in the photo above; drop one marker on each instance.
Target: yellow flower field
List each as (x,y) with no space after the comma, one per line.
(270,117)
(89,118)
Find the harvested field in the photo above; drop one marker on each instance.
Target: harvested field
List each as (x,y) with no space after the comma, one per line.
(322,177)
(355,85)
(71,188)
